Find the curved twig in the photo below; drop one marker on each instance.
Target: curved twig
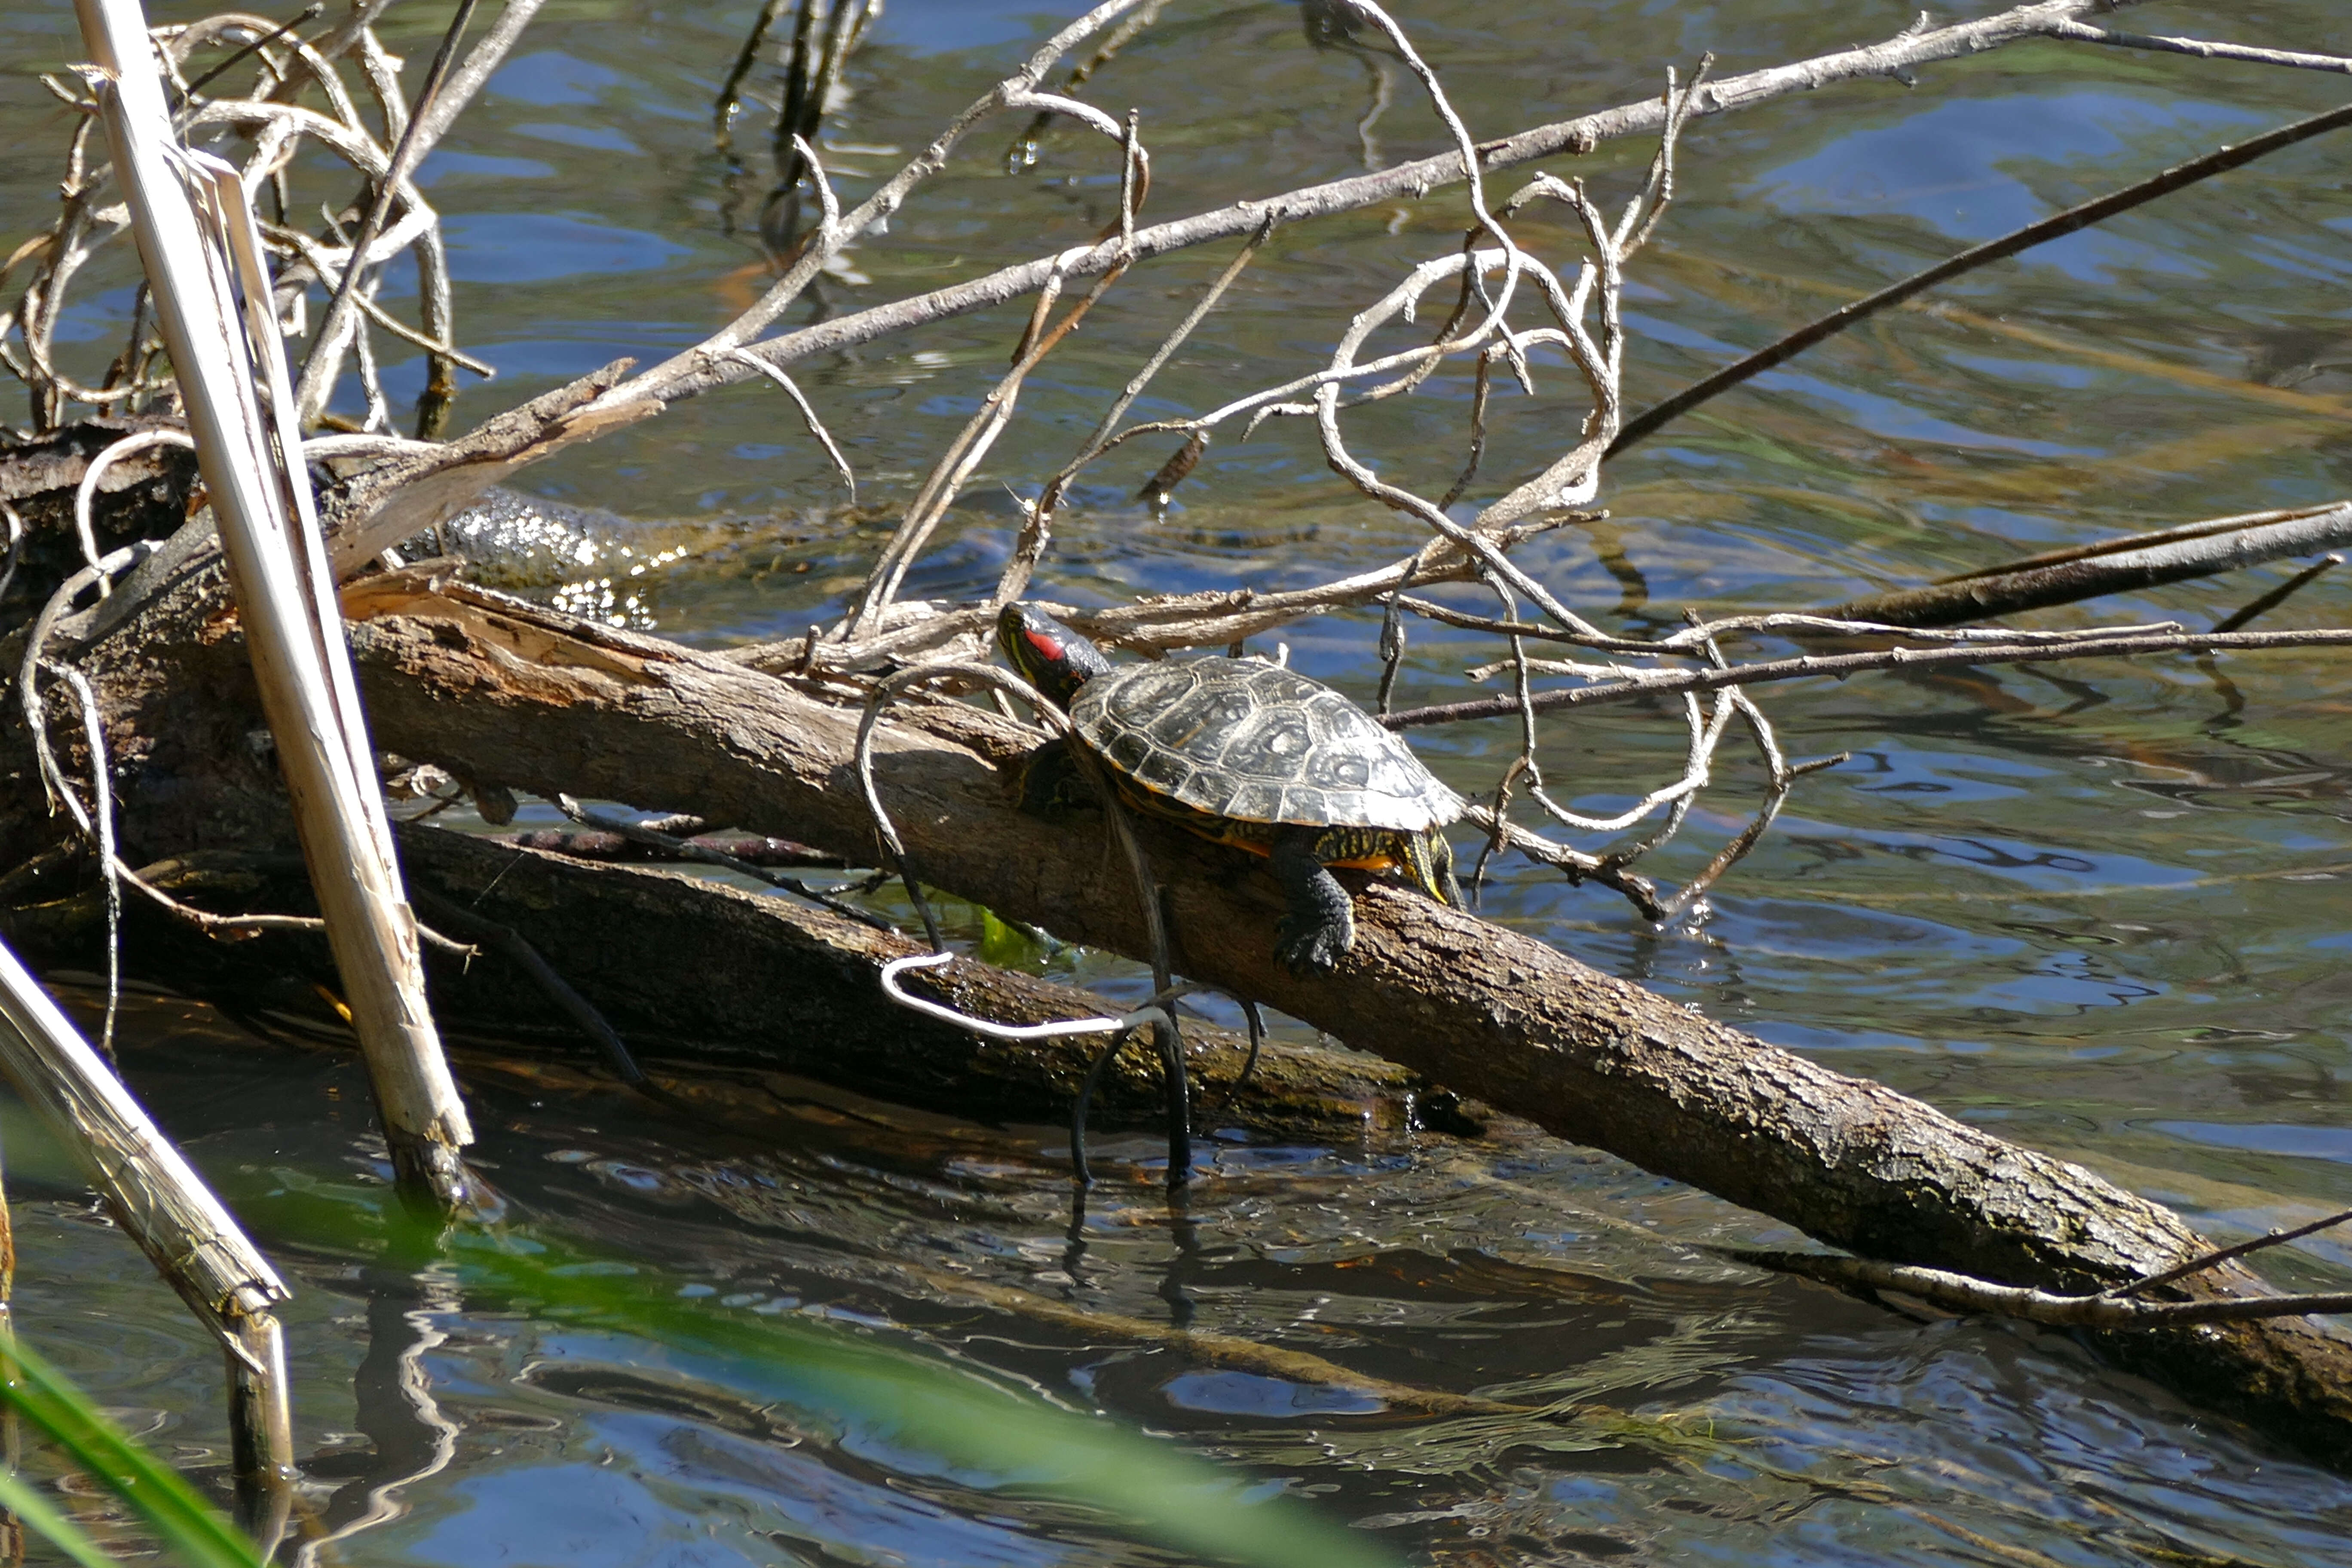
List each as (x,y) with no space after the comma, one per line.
(881,696)
(1164,1024)
(85,493)
(1156,1011)
(808,418)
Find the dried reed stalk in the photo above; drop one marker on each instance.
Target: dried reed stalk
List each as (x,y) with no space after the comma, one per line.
(187,211)
(164,1207)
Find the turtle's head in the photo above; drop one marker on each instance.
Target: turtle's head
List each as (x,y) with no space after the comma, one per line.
(1047,654)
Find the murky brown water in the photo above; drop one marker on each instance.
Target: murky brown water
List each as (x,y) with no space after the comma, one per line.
(2100,909)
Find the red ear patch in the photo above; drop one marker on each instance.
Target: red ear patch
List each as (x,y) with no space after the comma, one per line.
(1043,644)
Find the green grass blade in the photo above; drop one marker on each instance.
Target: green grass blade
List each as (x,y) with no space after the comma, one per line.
(190,1527)
(965,1418)
(958,1414)
(24,1500)
(951,1419)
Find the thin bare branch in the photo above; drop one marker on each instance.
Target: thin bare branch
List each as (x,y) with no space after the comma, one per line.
(1663,683)
(2279,595)
(1023,155)
(2219,1255)
(703,369)
(1966,1293)
(962,456)
(2203,48)
(1031,546)
(86,493)
(2121,564)
(482,63)
(808,418)
(319,371)
(2219,161)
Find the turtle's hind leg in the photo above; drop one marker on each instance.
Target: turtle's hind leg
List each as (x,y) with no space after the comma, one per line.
(1320,928)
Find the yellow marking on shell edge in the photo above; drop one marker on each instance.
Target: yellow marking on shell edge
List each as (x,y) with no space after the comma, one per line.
(1257,837)
(1377,861)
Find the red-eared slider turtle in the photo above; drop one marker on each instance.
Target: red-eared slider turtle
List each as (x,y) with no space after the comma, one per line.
(1249,753)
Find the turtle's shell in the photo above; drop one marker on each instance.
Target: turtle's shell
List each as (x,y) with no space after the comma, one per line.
(1250,741)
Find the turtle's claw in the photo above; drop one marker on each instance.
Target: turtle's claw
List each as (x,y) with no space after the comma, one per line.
(1311,948)
(1321,925)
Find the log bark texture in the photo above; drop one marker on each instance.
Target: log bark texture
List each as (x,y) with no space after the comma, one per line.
(498,689)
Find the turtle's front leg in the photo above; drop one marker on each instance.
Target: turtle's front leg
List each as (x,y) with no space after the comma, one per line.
(1320,928)
(1050,782)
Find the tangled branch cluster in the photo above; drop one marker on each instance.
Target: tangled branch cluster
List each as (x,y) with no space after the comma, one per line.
(1496,281)
(1513,313)
(263,130)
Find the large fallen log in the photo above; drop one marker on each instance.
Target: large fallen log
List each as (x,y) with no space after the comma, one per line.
(498,689)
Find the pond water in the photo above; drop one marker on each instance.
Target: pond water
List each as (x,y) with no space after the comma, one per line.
(2101,910)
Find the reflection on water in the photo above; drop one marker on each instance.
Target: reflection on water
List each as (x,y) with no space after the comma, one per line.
(2101,910)
(1646,1398)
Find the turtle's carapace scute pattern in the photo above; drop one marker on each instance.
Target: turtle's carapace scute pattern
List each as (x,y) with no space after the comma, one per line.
(1242,739)
(1252,754)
